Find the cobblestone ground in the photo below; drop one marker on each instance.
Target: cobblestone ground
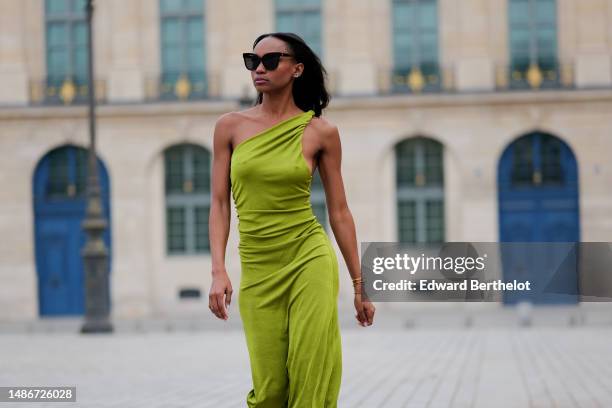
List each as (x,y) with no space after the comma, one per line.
(383,367)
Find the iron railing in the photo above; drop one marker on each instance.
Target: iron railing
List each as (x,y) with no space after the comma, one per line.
(182,86)
(65,90)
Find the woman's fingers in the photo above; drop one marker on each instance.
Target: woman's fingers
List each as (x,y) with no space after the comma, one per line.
(228,297)
(220,297)
(212,304)
(216,305)
(370,313)
(213,309)
(361,317)
(365,313)
(221,306)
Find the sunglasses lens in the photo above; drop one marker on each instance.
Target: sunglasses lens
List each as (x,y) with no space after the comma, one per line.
(251,61)
(270,61)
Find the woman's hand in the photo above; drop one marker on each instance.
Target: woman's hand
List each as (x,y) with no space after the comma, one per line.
(221,286)
(365,311)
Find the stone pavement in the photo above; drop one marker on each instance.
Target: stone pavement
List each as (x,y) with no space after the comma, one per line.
(472,365)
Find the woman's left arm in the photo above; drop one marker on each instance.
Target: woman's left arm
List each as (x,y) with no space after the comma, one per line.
(340,216)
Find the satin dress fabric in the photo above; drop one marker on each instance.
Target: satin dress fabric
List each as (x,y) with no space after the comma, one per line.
(289,279)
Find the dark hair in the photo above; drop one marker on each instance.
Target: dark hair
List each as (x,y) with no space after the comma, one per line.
(309,88)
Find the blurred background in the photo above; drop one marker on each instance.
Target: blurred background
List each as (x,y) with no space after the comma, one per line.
(472,120)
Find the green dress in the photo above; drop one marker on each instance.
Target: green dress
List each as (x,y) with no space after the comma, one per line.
(289,283)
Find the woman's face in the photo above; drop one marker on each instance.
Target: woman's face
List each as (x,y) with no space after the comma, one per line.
(265,80)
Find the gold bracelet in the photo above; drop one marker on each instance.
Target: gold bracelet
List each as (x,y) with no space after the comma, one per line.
(357,283)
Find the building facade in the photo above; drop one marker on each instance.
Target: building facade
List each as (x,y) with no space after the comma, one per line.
(479,120)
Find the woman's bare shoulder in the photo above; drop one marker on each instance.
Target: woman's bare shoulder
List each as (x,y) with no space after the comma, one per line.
(228,122)
(324,127)
(233,117)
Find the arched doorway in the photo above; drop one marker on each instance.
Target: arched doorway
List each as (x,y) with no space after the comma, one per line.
(538,202)
(59,194)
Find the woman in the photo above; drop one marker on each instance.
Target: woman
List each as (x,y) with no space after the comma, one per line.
(288,293)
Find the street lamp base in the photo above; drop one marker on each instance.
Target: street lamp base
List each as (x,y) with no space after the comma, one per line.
(97,326)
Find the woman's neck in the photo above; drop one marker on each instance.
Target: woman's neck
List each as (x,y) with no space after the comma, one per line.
(277,105)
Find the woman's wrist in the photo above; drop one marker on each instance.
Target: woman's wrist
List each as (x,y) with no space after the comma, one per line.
(357,285)
(218,270)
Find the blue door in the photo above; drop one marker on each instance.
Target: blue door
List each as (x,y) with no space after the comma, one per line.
(59,191)
(538,202)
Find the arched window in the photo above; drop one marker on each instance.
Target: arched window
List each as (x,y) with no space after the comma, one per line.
(544,151)
(187,188)
(538,190)
(67,173)
(420,191)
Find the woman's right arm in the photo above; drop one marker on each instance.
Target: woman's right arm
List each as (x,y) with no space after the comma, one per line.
(219,218)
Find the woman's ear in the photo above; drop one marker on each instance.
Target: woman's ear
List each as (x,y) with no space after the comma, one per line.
(299,71)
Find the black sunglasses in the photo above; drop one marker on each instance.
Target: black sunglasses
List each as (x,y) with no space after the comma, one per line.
(270,60)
